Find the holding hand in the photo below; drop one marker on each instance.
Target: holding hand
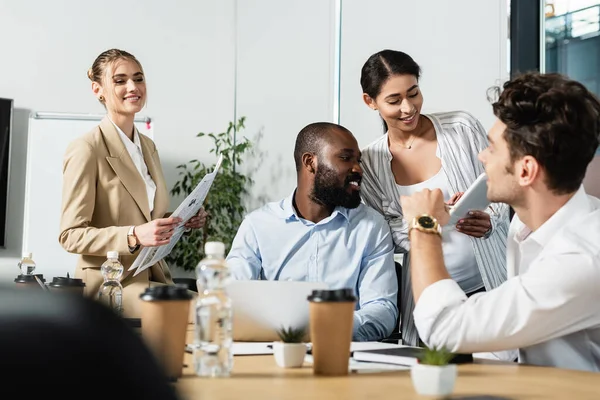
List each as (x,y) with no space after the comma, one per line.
(477,224)
(427,201)
(455,198)
(157,232)
(197,221)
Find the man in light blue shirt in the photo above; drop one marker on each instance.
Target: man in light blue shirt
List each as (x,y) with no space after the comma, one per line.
(323,233)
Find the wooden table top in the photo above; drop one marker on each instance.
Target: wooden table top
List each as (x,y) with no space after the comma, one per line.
(258,377)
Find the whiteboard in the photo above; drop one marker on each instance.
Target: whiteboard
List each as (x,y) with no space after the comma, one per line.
(48,138)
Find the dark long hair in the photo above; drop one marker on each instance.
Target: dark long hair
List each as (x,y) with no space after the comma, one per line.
(382,66)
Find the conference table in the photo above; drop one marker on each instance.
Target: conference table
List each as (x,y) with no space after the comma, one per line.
(258,377)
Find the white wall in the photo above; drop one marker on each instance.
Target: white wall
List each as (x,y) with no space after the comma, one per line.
(284,81)
(186,48)
(285,70)
(460,46)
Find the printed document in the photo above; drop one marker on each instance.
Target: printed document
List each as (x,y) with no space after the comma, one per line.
(186,210)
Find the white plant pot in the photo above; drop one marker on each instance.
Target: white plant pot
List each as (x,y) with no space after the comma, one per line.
(289,355)
(433,380)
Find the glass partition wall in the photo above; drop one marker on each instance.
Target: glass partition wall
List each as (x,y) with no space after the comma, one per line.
(572,47)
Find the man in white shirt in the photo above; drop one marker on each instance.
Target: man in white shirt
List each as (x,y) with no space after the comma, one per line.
(545,136)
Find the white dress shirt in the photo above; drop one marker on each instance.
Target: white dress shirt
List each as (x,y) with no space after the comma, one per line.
(137,156)
(549,306)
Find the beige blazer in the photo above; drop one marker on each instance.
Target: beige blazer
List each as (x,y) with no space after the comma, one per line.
(103,196)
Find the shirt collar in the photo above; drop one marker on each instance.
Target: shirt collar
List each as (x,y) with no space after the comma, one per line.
(576,206)
(128,143)
(290,213)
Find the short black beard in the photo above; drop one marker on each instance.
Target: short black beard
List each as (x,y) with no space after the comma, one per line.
(326,189)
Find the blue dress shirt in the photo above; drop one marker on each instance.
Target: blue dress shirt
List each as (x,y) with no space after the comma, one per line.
(352,248)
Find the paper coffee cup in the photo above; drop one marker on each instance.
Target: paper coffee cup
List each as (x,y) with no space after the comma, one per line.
(331,320)
(29,281)
(165,311)
(67,285)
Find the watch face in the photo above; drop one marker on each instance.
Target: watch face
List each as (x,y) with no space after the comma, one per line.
(426,222)
(131,241)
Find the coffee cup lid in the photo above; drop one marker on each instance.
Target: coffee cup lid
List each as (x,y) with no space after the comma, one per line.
(61,281)
(166,292)
(336,295)
(29,278)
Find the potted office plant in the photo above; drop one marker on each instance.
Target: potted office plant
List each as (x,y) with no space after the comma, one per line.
(289,352)
(225,203)
(434,375)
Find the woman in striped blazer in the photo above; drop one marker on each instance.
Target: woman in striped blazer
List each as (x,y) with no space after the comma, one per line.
(428,151)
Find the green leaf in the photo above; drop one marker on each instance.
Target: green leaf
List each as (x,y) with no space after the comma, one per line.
(225,201)
(435,356)
(291,334)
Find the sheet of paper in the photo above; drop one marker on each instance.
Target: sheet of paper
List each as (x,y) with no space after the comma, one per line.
(362,367)
(252,348)
(360,346)
(186,210)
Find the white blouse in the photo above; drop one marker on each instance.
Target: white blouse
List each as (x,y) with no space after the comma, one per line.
(459,256)
(137,156)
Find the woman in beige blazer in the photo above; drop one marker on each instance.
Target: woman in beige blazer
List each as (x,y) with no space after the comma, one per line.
(114,192)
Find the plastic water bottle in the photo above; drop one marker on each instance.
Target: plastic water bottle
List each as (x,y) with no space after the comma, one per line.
(27,265)
(213,325)
(111,290)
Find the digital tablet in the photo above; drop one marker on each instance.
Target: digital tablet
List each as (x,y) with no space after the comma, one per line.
(475,198)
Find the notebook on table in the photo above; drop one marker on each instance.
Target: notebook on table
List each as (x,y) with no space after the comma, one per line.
(404,355)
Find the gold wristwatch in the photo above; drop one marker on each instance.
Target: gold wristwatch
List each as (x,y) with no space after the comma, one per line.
(132,240)
(425,223)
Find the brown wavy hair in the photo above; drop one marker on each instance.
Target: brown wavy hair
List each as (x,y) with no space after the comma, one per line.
(554,119)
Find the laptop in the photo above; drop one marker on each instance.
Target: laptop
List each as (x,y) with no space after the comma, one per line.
(261,307)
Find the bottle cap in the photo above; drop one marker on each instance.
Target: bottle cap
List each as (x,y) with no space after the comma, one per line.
(112,254)
(214,248)
(166,292)
(27,254)
(337,295)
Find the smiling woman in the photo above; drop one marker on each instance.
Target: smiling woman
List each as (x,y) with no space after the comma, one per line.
(114,192)
(427,152)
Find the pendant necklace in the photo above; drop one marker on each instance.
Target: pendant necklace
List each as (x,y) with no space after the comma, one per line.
(409,146)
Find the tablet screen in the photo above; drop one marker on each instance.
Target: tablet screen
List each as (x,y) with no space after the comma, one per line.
(475,198)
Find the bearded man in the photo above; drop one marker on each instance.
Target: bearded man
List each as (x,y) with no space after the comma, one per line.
(323,233)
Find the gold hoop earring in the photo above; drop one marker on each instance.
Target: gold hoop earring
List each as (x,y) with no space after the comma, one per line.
(101,98)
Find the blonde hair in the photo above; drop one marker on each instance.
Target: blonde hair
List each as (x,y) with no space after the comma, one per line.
(107,58)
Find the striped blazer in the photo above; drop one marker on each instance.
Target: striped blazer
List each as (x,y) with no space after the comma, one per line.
(460,139)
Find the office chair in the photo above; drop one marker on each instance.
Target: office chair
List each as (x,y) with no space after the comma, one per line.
(396,335)
(56,344)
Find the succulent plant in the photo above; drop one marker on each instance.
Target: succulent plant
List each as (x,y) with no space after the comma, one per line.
(291,334)
(435,356)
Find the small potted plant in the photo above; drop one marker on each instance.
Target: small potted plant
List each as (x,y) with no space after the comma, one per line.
(434,375)
(289,352)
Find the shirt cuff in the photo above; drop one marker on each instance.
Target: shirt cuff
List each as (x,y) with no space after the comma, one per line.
(434,299)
